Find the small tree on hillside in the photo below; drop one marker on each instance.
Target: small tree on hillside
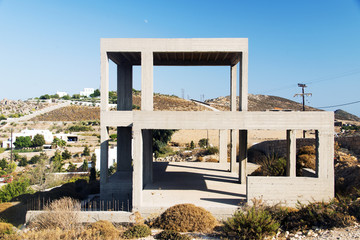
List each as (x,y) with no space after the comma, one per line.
(86,151)
(57,162)
(85,166)
(203,142)
(93,169)
(23,142)
(95,94)
(66,154)
(38,140)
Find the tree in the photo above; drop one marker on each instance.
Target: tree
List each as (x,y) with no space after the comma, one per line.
(57,162)
(23,142)
(38,140)
(23,162)
(46,96)
(71,167)
(14,189)
(59,142)
(86,151)
(56,96)
(95,94)
(85,166)
(192,145)
(76,96)
(203,142)
(66,154)
(66,97)
(93,168)
(160,139)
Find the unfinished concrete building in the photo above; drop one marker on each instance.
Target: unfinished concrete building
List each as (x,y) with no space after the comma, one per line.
(135,167)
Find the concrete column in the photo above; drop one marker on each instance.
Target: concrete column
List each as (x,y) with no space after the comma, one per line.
(233,166)
(138,170)
(233,80)
(291,153)
(243,98)
(223,146)
(326,154)
(317,153)
(147,85)
(104,155)
(147,156)
(243,138)
(104,86)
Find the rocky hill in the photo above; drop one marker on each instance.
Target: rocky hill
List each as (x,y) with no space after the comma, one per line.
(261,103)
(343,115)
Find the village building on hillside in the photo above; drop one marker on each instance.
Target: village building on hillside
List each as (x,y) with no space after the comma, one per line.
(48,137)
(138,179)
(87,92)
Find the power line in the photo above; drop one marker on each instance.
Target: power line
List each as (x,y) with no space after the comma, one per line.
(339,105)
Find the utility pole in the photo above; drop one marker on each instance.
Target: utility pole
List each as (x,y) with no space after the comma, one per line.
(303,94)
(11,144)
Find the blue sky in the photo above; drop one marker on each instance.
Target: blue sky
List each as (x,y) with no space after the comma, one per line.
(49,46)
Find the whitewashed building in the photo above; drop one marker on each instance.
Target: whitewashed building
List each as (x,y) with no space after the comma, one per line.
(87,92)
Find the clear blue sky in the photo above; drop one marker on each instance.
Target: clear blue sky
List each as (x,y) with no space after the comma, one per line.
(49,46)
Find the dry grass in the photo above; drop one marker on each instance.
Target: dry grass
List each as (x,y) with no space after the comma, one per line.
(59,214)
(70,113)
(105,229)
(186,218)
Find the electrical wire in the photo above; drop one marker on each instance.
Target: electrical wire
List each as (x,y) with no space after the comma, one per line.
(344,104)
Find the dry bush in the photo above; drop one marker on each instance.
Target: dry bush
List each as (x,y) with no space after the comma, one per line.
(306,158)
(172,235)
(200,159)
(6,228)
(186,218)
(58,214)
(105,229)
(57,233)
(212,160)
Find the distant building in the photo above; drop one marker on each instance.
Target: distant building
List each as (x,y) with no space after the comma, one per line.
(62,94)
(48,136)
(87,92)
(112,157)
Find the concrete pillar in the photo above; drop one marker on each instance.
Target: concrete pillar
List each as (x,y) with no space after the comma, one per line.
(124,140)
(317,153)
(233,166)
(223,146)
(147,156)
(104,86)
(138,170)
(104,155)
(326,154)
(291,153)
(243,138)
(233,80)
(147,85)
(243,98)
(233,138)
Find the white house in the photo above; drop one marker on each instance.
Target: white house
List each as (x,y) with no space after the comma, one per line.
(87,92)
(61,94)
(48,136)
(112,157)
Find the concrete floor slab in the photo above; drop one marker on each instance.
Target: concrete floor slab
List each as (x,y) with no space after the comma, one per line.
(208,185)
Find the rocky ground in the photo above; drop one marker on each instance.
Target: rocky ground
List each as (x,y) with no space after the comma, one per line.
(8,107)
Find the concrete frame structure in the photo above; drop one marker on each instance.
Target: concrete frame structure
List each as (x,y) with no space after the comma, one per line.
(134,159)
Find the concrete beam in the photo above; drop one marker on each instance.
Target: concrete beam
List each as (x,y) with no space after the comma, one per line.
(291,153)
(174,45)
(223,146)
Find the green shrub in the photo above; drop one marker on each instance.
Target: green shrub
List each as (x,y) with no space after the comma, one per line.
(186,218)
(6,228)
(23,162)
(271,165)
(66,154)
(79,128)
(253,223)
(203,142)
(212,150)
(14,189)
(321,214)
(137,231)
(171,235)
